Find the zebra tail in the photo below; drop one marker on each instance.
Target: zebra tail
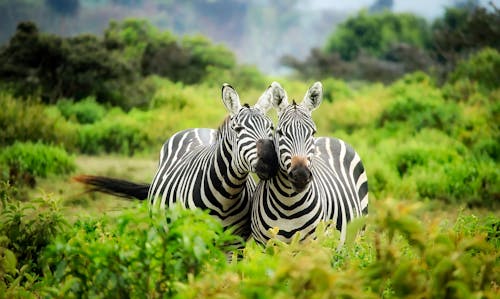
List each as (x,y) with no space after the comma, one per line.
(116,187)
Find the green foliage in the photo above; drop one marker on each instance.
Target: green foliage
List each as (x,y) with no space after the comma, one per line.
(29,121)
(132,36)
(37,159)
(334,89)
(113,135)
(139,255)
(481,68)
(242,75)
(420,105)
(25,230)
(171,95)
(111,70)
(396,256)
(86,111)
(472,182)
(376,33)
(182,253)
(381,47)
(38,64)
(465,30)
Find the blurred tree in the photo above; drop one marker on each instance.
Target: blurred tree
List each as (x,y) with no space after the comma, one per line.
(90,70)
(53,68)
(167,59)
(462,31)
(376,33)
(376,47)
(20,60)
(131,37)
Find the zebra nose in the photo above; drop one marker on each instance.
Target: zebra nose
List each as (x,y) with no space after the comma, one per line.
(300,177)
(267,159)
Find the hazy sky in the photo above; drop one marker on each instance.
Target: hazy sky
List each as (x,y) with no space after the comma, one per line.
(427,8)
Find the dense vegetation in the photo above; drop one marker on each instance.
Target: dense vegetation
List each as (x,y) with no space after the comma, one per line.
(383,46)
(112,69)
(430,144)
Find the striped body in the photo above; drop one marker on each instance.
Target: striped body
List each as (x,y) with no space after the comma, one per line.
(320,179)
(210,169)
(338,192)
(189,161)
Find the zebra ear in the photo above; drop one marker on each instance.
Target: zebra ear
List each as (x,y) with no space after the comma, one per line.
(231,99)
(313,96)
(279,98)
(273,94)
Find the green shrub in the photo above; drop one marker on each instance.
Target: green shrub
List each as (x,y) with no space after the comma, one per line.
(481,68)
(243,75)
(112,136)
(171,95)
(28,121)
(397,256)
(137,255)
(420,105)
(25,231)
(474,183)
(86,111)
(37,159)
(334,89)
(376,33)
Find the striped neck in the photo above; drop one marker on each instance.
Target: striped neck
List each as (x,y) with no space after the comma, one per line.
(233,178)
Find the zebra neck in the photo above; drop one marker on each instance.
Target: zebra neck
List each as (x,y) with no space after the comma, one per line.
(232,176)
(285,186)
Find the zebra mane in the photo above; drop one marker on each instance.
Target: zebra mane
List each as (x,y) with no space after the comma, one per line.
(224,124)
(246,105)
(294,104)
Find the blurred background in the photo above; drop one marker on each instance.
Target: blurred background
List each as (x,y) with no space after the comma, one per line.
(97,86)
(258,32)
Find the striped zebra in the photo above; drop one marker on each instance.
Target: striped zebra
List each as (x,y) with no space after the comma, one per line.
(319,179)
(210,169)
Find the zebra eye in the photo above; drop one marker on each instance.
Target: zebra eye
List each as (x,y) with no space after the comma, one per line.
(279,132)
(238,129)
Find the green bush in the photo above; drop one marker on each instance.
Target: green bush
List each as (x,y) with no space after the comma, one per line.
(25,231)
(334,89)
(481,68)
(376,33)
(398,256)
(29,121)
(110,137)
(171,95)
(37,159)
(135,254)
(86,111)
(419,105)
(474,183)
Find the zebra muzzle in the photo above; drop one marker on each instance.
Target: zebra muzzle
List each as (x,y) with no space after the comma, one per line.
(300,175)
(267,159)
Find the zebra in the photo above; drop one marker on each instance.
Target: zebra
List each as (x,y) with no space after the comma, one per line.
(319,179)
(210,169)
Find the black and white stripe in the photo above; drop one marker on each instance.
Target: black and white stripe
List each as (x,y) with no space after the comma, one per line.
(209,169)
(320,179)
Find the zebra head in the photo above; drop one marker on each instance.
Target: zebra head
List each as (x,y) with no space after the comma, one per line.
(253,147)
(294,136)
